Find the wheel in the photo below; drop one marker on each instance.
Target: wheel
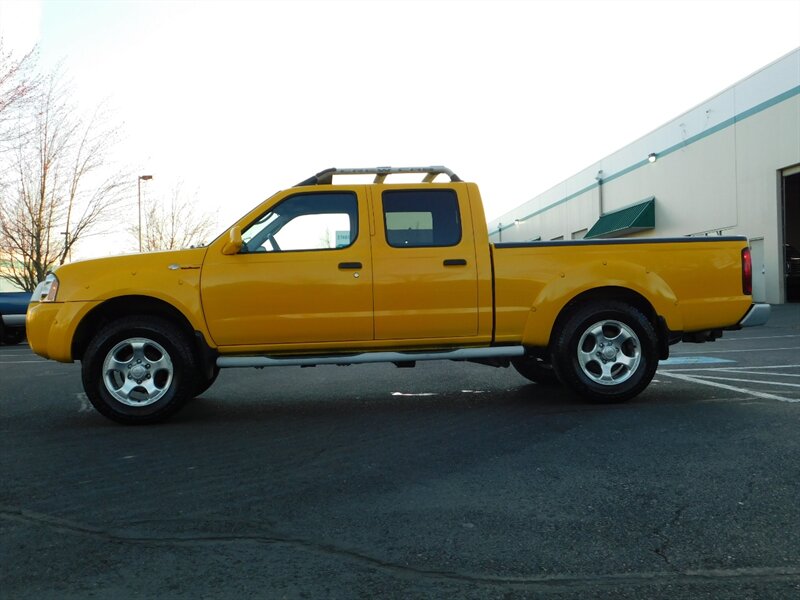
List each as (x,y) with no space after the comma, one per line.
(13,335)
(607,353)
(201,384)
(536,369)
(139,370)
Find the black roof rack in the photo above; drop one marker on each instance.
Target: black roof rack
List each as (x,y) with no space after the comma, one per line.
(326,177)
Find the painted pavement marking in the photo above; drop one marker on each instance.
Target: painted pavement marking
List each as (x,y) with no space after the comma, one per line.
(731,388)
(743,350)
(22,362)
(85,405)
(747,339)
(694,360)
(794,385)
(756,370)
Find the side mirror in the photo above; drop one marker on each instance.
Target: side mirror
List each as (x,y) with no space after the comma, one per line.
(234,243)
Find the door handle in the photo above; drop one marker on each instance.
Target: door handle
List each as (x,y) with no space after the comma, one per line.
(350,265)
(455,262)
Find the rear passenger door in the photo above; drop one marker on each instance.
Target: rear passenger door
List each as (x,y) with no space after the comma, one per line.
(424,267)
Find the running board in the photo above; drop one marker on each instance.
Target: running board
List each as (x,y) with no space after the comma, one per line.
(225,362)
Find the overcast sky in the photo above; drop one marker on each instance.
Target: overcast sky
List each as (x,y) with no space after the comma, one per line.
(240,99)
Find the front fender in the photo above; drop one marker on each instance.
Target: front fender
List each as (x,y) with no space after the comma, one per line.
(172,278)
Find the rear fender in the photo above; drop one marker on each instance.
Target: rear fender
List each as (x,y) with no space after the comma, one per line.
(614,279)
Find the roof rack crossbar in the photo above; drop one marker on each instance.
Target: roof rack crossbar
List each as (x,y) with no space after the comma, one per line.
(326,177)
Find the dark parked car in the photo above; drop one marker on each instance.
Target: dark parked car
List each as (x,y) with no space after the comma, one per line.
(13,306)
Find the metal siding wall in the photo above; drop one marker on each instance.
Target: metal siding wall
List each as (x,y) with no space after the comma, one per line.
(766,143)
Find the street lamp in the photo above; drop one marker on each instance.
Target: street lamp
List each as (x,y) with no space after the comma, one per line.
(139,184)
(66,244)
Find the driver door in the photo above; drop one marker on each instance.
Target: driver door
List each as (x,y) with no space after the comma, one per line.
(303,275)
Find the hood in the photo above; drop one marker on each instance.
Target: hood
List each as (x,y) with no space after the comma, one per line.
(131,273)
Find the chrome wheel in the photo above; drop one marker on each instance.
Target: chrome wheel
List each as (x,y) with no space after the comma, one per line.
(609,352)
(137,372)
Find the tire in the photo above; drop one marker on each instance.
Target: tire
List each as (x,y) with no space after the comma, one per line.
(201,384)
(606,352)
(536,370)
(139,370)
(13,335)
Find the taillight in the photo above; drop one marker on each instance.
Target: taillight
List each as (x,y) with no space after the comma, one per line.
(747,272)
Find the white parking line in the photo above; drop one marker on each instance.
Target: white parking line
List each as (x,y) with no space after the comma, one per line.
(794,385)
(693,360)
(745,338)
(755,370)
(703,381)
(21,362)
(85,405)
(743,350)
(762,373)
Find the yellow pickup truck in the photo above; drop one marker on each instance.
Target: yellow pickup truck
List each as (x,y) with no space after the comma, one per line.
(346,273)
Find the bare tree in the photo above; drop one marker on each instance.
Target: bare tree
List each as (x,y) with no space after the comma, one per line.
(175,224)
(18,82)
(60,190)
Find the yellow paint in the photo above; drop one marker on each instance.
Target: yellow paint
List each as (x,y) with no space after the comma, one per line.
(86,284)
(416,295)
(693,286)
(403,298)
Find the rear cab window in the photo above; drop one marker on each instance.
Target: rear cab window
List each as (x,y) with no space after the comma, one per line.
(421,218)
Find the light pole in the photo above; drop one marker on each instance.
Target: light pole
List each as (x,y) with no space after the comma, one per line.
(139,184)
(66,245)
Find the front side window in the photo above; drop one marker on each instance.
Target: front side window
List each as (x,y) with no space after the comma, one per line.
(315,221)
(421,218)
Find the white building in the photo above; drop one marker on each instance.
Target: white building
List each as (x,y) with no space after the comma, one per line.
(730,166)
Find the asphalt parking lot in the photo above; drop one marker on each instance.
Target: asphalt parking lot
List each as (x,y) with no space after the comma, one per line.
(448,480)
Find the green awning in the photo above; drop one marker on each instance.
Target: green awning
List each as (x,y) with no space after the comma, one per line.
(639,217)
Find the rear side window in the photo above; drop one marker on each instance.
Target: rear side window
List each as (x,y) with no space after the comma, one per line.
(421,218)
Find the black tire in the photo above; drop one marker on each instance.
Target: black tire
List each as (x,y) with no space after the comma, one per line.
(139,370)
(606,352)
(201,383)
(536,370)
(13,335)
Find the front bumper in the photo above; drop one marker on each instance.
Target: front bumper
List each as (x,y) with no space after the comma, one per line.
(757,315)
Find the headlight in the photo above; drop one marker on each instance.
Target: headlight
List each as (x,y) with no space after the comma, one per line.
(46,290)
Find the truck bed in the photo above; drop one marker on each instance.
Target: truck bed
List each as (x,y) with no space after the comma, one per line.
(694,284)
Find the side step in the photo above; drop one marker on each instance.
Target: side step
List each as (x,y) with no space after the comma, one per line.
(225,362)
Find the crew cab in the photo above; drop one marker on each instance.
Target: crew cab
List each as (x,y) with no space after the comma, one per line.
(347,273)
